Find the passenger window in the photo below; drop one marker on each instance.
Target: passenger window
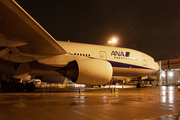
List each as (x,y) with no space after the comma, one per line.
(74,53)
(80,54)
(77,53)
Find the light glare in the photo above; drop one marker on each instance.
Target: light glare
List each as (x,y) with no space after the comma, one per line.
(114,40)
(163,74)
(170,74)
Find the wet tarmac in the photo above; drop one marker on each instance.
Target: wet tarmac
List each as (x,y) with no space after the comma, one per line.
(65,103)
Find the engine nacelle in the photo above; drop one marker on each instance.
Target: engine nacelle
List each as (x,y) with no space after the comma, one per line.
(89,71)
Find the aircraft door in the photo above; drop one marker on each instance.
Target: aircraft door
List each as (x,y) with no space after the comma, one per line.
(145,62)
(103,55)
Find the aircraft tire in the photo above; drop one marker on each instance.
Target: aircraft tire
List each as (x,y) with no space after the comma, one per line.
(8,87)
(30,87)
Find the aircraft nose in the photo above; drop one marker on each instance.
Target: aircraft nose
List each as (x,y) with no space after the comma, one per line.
(156,66)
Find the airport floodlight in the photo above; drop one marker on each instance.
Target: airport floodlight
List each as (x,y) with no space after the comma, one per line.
(114,40)
(170,74)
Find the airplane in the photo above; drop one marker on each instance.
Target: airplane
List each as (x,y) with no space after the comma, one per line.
(26,48)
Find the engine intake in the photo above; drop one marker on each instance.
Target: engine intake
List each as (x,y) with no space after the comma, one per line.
(89,71)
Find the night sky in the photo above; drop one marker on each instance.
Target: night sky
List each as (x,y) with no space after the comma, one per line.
(150,26)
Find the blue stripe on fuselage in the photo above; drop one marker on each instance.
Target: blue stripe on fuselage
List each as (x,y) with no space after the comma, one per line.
(125,65)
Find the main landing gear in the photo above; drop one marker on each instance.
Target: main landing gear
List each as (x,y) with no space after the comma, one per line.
(139,84)
(10,84)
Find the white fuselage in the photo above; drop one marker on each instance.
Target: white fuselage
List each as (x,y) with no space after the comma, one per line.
(125,62)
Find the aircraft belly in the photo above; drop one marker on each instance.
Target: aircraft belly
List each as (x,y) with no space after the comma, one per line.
(130,72)
(43,72)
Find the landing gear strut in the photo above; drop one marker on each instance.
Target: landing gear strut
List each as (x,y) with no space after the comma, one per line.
(140,84)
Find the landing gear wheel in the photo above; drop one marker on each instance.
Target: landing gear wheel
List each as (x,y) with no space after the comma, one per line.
(8,87)
(19,87)
(30,87)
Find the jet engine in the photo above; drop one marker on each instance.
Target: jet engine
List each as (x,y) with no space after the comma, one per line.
(88,71)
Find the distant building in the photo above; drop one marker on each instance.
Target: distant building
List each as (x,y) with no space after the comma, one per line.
(169,73)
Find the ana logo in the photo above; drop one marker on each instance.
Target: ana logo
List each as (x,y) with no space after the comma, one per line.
(120,53)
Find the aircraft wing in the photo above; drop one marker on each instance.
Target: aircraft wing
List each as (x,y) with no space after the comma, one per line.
(18,29)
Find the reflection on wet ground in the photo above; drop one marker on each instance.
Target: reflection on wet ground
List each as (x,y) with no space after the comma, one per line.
(149,103)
